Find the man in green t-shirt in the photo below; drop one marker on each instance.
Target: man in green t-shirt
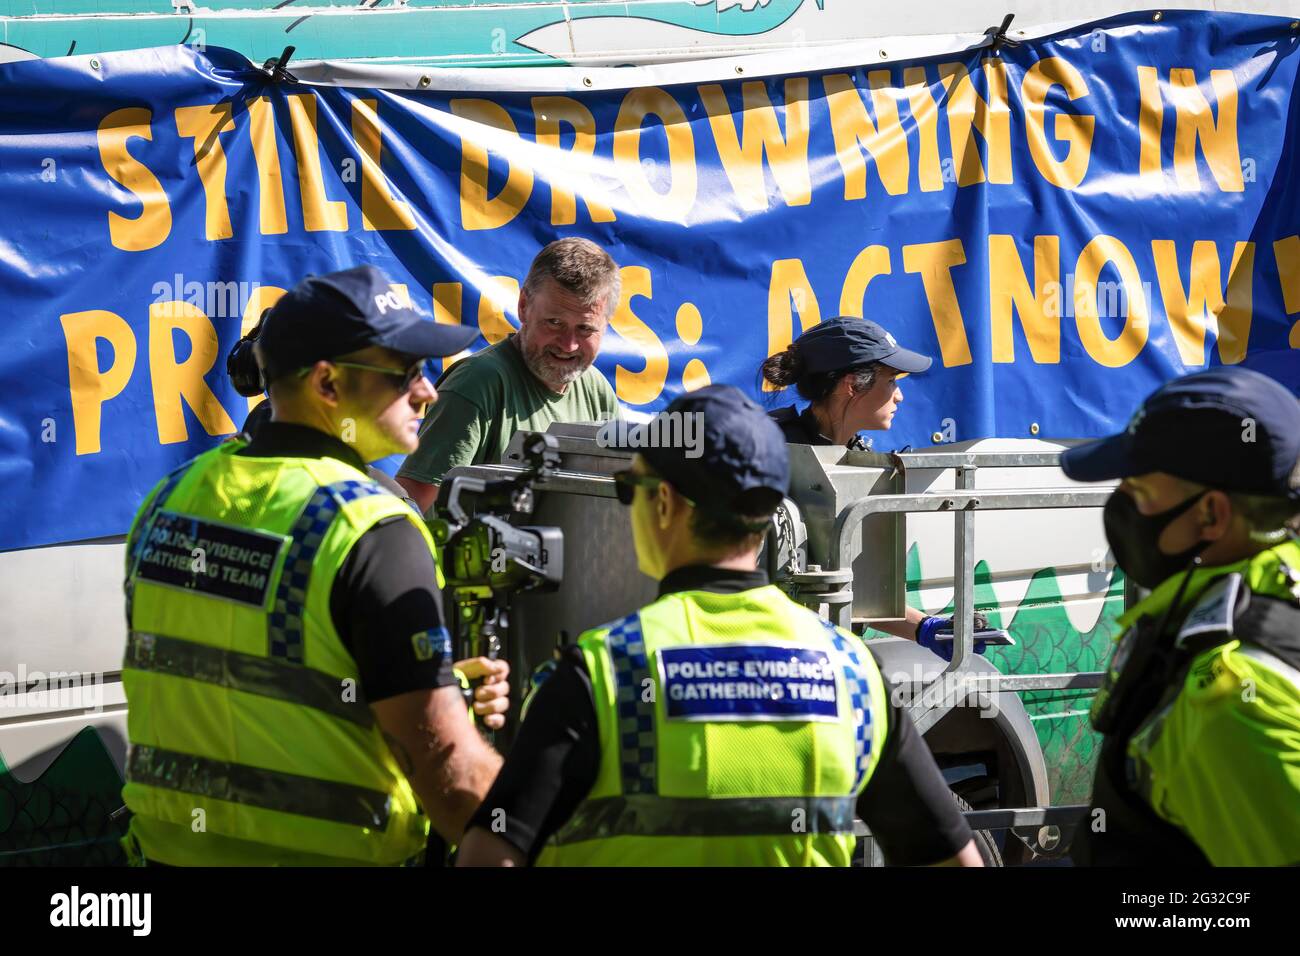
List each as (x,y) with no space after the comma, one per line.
(539,375)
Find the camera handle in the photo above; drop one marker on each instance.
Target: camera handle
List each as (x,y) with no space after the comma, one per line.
(481,623)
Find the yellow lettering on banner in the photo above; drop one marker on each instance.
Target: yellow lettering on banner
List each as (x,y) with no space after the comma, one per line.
(259,300)
(154,223)
(447,298)
(1151,121)
(1039,309)
(478,210)
(380,209)
(174,382)
(497,295)
(925,113)
(549,112)
(266,155)
(1287,253)
(854,131)
(1202,304)
(643,387)
(870,262)
(1196,122)
(204,125)
(1072,128)
(788,292)
(1101,252)
(677,203)
(968,111)
(1235,319)
(319,212)
(91,386)
(742,156)
(933,262)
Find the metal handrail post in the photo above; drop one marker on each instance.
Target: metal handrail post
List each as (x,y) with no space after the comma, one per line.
(963,633)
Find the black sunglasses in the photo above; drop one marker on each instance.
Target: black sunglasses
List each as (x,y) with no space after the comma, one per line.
(409,376)
(626,483)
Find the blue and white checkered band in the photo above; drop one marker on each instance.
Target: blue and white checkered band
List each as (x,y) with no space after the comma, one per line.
(135,546)
(636,715)
(284,625)
(855,677)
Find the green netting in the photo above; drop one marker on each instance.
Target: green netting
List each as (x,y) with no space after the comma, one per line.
(63,818)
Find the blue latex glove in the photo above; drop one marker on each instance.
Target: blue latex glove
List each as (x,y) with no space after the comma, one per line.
(929,627)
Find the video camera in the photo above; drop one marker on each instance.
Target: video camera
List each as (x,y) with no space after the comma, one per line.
(486,559)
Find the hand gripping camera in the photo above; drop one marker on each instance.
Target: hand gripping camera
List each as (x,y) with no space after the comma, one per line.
(486,559)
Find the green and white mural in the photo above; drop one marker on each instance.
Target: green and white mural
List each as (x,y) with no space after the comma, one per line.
(450,33)
(1047,641)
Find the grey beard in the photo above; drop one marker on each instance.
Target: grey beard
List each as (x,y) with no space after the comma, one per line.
(549,371)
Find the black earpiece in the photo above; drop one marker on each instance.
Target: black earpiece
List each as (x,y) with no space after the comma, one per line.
(241,364)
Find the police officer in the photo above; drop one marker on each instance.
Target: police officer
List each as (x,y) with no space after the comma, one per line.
(245,375)
(722,724)
(847,369)
(288,670)
(1200,707)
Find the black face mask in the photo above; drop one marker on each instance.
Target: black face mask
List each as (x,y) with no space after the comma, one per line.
(1133,536)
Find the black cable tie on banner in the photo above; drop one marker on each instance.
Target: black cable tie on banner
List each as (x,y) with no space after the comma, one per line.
(998,35)
(276,68)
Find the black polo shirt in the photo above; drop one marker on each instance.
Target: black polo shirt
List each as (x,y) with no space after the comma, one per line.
(385,592)
(554,761)
(802,429)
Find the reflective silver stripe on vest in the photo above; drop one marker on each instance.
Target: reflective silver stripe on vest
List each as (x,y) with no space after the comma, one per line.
(1272,662)
(255,787)
(653,816)
(264,676)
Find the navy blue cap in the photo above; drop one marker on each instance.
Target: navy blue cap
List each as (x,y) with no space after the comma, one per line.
(733,458)
(1228,428)
(323,317)
(846,341)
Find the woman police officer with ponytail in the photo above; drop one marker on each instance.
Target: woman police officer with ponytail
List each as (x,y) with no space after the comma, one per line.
(848,369)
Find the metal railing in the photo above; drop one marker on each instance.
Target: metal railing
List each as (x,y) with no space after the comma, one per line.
(963,502)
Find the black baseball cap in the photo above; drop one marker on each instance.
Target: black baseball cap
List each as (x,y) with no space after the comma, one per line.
(1229,428)
(323,317)
(846,341)
(739,463)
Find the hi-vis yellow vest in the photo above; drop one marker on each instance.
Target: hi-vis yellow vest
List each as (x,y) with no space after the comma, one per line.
(250,740)
(735,730)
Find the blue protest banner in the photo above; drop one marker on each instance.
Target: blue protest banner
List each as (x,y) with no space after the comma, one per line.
(1063,226)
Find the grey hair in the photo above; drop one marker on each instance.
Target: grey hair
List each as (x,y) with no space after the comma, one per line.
(581,268)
